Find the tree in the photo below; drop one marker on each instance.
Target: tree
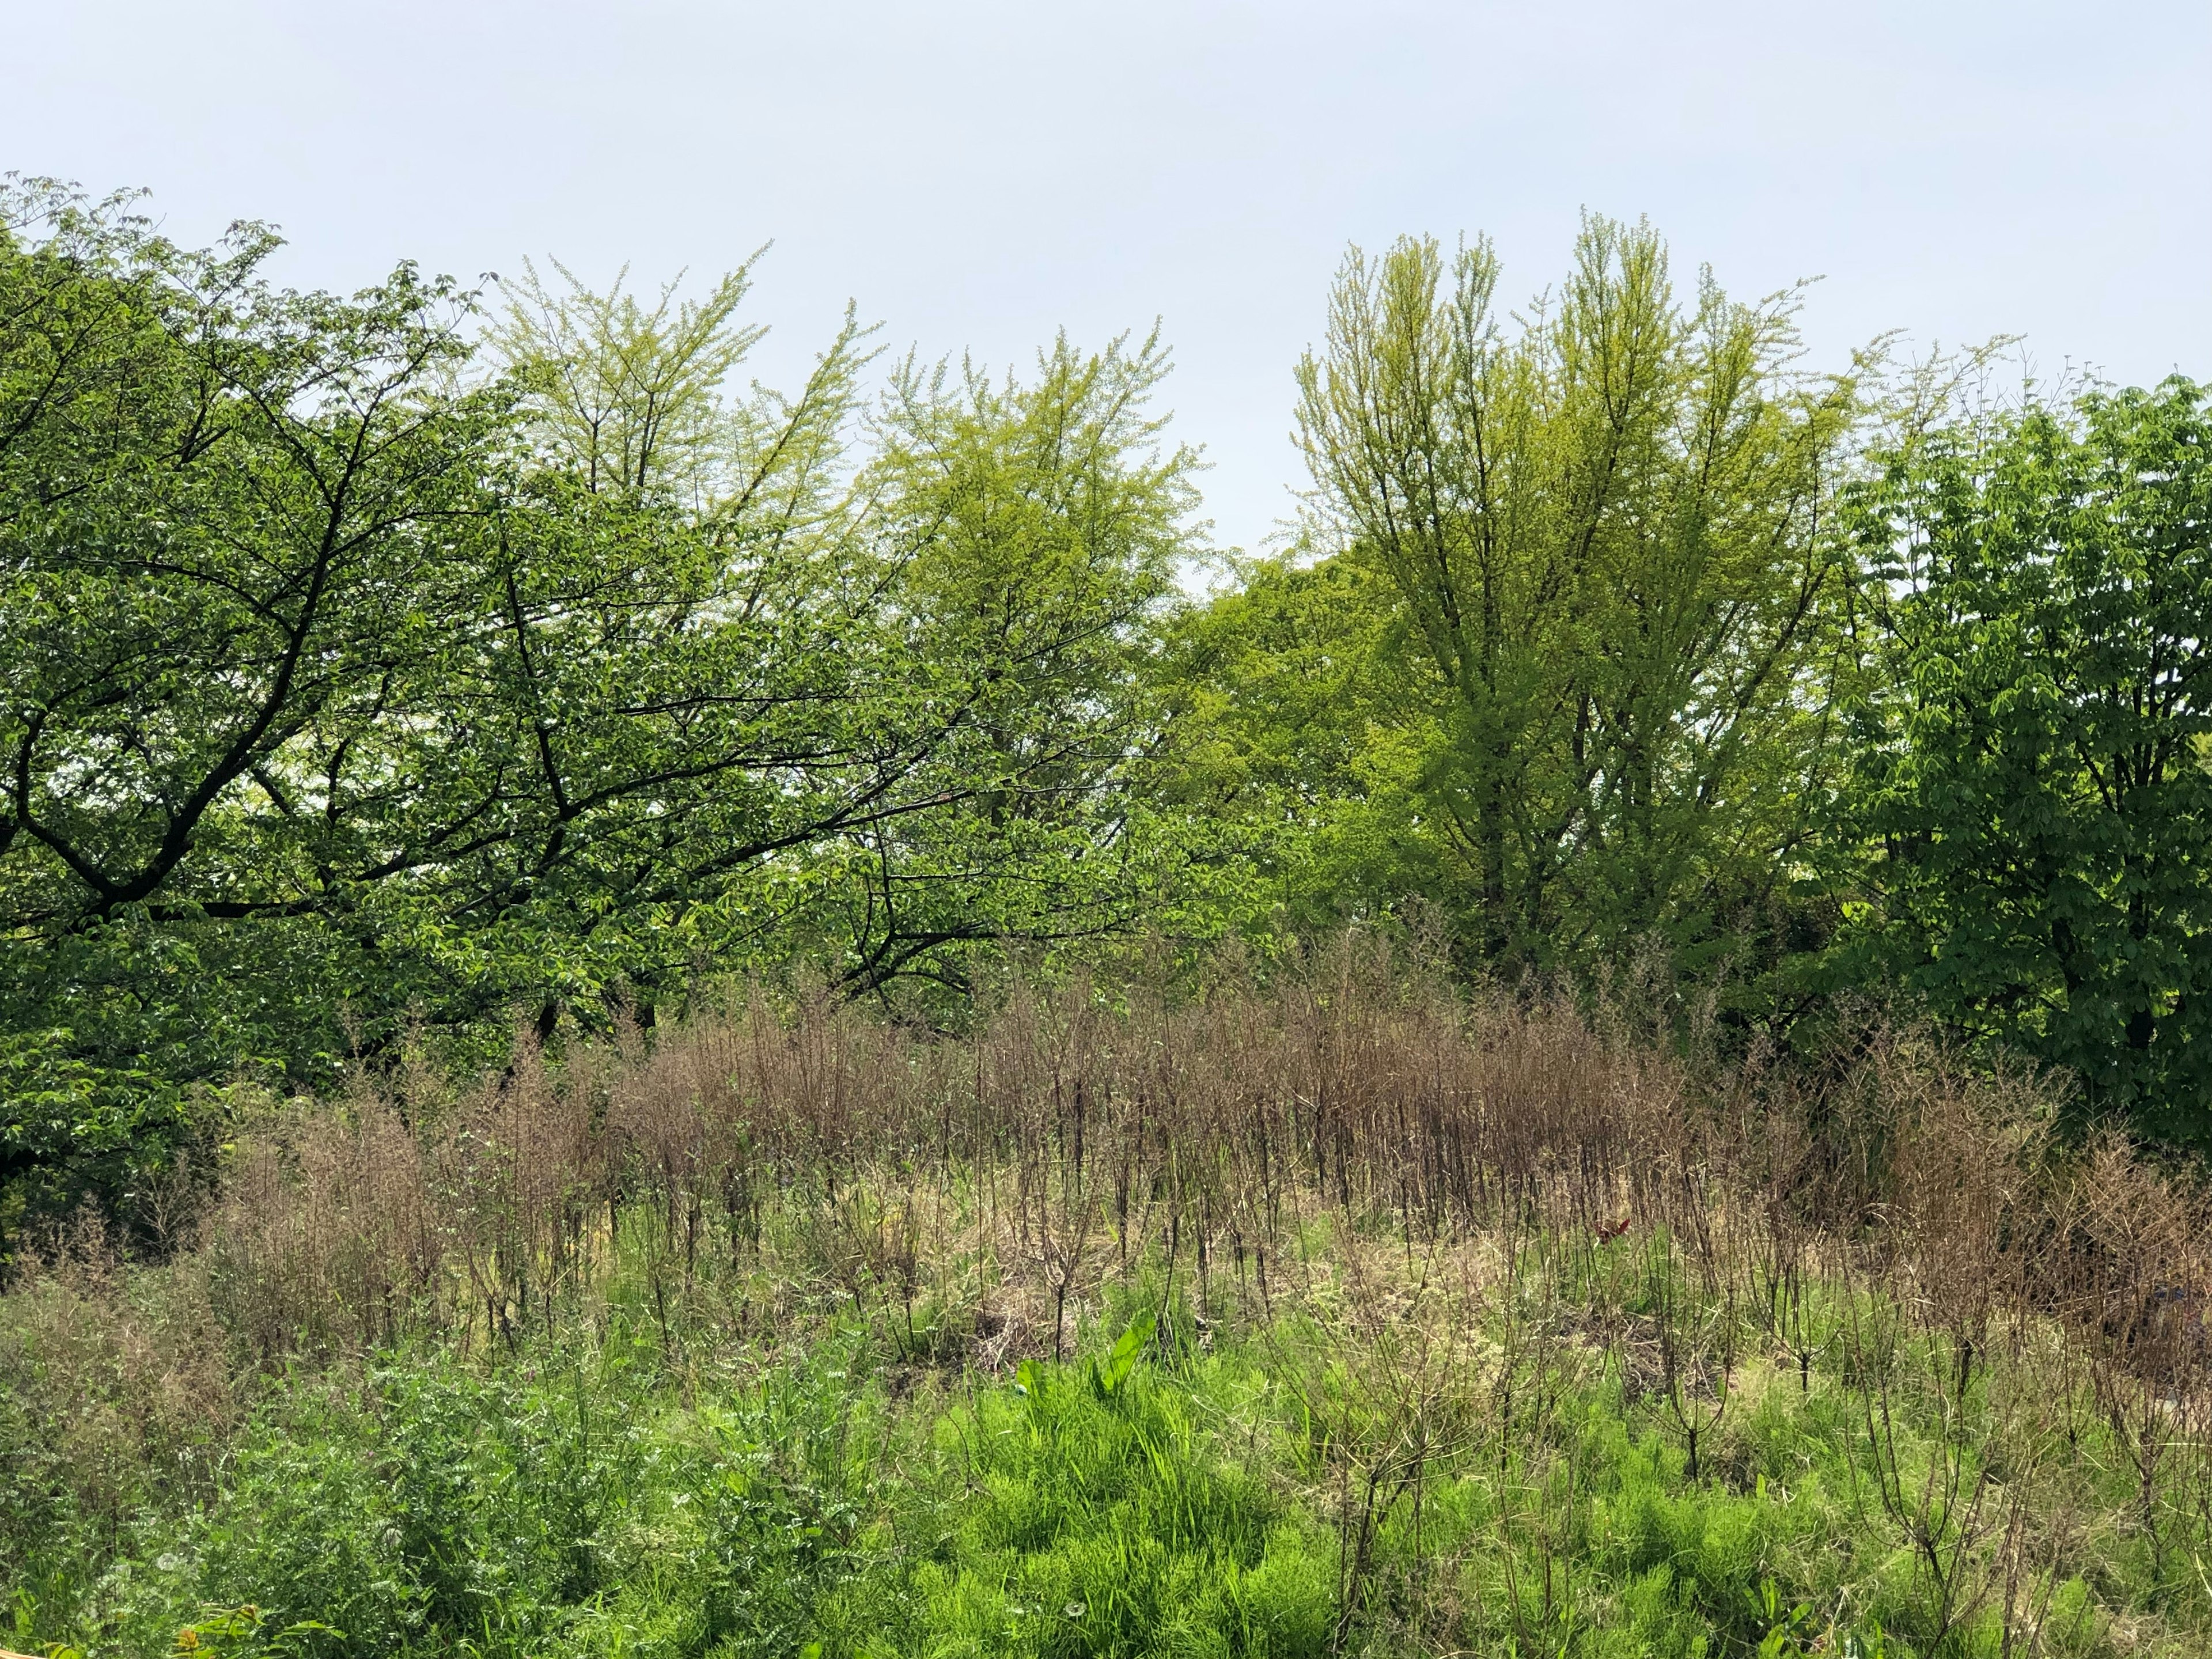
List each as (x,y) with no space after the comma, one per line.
(357,681)
(688,677)
(1606,533)
(228,520)
(2032,779)
(1301,727)
(1037,528)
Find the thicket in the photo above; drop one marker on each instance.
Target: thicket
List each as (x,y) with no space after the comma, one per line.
(1343,1316)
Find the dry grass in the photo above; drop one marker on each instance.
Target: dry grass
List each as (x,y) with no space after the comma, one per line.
(1067,1136)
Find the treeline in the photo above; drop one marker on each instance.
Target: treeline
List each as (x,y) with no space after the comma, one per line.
(382,670)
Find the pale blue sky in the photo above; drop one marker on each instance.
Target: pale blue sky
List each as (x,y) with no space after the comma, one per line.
(977,175)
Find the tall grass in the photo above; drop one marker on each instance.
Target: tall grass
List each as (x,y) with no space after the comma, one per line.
(1348,1315)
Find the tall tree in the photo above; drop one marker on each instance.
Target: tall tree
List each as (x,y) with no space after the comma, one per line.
(1037,527)
(2034,779)
(1606,527)
(230,521)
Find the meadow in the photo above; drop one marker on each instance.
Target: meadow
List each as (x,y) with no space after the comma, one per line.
(1354,1312)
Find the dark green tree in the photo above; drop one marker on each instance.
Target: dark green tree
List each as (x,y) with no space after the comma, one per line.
(2033,775)
(231,522)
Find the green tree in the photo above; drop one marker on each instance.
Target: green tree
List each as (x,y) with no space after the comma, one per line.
(1606,529)
(340,694)
(229,520)
(2032,778)
(955,627)
(358,680)
(689,680)
(1300,728)
(1037,527)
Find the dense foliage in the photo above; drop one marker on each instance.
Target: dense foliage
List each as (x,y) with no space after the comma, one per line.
(361,677)
(403,668)
(1604,534)
(2034,780)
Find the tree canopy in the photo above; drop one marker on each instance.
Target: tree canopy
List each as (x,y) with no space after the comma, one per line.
(1605,529)
(2033,779)
(396,662)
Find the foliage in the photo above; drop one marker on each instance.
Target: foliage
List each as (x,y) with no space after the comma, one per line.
(2032,769)
(354,689)
(1605,532)
(1037,530)
(1399,1326)
(1299,741)
(391,675)
(593,1494)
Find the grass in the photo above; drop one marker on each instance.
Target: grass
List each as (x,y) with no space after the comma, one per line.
(1346,1319)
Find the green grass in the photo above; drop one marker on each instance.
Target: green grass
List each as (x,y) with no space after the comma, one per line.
(1478,1471)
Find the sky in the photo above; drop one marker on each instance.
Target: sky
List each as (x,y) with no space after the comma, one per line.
(979,176)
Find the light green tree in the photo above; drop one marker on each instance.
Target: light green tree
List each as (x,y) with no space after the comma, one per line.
(1604,522)
(1035,526)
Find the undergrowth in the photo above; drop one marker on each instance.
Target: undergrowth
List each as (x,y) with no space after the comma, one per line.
(1365,1323)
